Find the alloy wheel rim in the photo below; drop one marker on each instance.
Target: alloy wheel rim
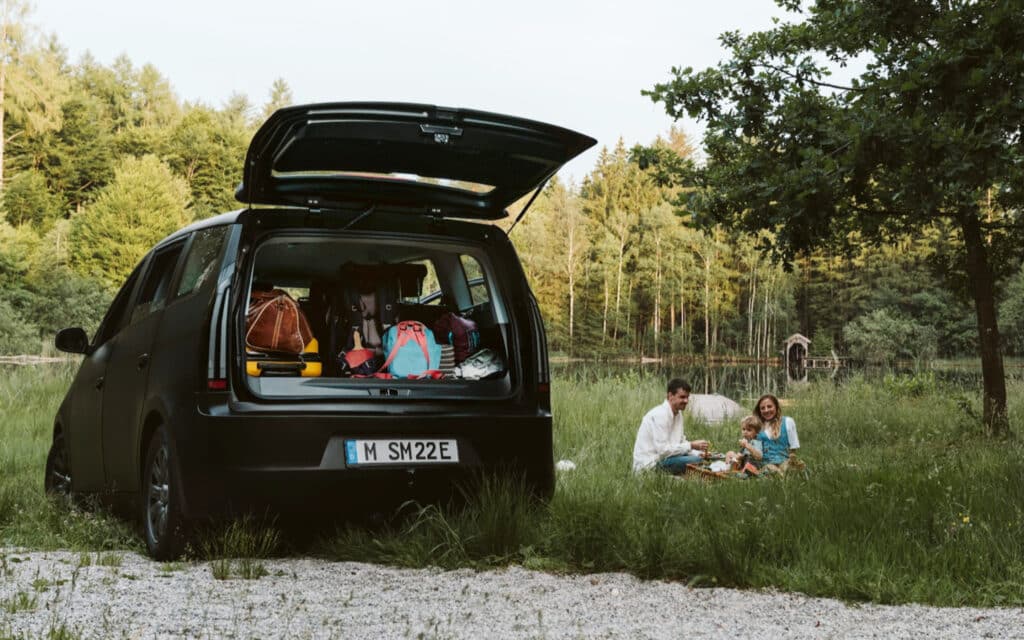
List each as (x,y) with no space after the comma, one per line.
(60,473)
(158,496)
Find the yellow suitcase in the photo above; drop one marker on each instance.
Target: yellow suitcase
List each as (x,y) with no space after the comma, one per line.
(307,364)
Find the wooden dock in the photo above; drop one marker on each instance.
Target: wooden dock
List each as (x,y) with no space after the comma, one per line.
(824,363)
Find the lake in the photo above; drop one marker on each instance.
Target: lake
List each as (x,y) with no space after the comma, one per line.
(746,382)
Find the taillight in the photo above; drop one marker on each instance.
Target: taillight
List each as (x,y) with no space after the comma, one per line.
(217,384)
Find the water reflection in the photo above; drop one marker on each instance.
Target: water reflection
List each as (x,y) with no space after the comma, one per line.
(741,382)
(745,382)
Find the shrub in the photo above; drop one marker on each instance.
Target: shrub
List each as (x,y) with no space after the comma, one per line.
(884,336)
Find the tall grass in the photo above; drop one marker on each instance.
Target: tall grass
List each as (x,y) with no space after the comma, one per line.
(29,398)
(904,500)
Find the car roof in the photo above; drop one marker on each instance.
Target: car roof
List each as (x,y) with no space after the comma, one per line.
(230,217)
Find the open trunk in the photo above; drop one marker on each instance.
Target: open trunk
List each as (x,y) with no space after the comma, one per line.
(449,162)
(359,293)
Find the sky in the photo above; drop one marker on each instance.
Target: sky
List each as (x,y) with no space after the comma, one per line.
(580,65)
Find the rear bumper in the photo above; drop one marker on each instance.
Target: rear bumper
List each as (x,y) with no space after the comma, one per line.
(231,462)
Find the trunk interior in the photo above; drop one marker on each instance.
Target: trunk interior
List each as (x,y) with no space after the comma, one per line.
(367,316)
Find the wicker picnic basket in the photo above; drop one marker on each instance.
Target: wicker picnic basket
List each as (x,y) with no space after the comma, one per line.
(703,473)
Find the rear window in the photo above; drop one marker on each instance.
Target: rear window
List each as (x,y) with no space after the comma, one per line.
(475,280)
(201,260)
(367,304)
(118,313)
(431,290)
(156,287)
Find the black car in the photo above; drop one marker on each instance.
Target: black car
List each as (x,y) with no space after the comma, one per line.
(173,410)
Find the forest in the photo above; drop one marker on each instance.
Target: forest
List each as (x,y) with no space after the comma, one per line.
(99,162)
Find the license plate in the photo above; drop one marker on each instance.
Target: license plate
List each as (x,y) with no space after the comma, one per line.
(401,452)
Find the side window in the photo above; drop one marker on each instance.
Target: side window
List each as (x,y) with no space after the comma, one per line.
(475,279)
(156,286)
(201,261)
(117,314)
(430,292)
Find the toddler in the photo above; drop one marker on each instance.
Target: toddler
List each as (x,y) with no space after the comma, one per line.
(750,456)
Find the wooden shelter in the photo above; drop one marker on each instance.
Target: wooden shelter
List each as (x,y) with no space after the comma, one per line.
(797,350)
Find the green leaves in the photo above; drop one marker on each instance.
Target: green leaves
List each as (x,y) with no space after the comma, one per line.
(928,128)
(144,203)
(28,200)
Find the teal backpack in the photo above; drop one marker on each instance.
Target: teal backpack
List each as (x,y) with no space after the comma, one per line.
(411,351)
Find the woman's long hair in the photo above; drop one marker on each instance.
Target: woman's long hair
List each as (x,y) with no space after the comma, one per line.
(774,427)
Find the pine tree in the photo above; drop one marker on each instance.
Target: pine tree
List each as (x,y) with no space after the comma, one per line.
(280,97)
(143,203)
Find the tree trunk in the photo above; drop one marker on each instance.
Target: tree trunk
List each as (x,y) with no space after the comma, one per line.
(4,56)
(992,374)
(757,339)
(750,312)
(570,269)
(707,307)
(618,288)
(764,325)
(572,309)
(604,320)
(683,329)
(682,318)
(657,293)
(629,308)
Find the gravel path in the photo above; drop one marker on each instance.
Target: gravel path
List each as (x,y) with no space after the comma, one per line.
(129,596)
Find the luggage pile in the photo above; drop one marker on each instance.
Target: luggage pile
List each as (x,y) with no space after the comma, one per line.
(412,350)
(278,340)
(376,343)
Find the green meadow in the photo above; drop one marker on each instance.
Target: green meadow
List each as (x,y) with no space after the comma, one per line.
(904,500)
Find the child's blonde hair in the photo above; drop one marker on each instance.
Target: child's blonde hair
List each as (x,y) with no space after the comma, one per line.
(751,422)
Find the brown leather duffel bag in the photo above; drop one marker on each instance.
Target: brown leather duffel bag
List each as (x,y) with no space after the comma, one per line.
(274,322)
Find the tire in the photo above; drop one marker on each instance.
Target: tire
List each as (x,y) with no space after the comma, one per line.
(542,484)
(164,528)
(58,469)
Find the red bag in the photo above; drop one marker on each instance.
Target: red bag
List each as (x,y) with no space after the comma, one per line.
(358,361)
(461,333)
(274,322)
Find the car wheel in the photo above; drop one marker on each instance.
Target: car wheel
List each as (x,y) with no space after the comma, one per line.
(58,469)
(542,483)
(163,525)
(538,474)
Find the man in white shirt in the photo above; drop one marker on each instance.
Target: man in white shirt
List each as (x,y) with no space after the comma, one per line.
(660,441)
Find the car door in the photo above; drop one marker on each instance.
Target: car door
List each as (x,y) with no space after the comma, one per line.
(84,427)
(124,393)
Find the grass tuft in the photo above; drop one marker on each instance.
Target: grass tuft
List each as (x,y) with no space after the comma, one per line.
(20,601)
(237,548)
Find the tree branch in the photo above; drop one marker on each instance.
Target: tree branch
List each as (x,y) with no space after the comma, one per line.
(816,83)
(1002,226)
(880,213)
